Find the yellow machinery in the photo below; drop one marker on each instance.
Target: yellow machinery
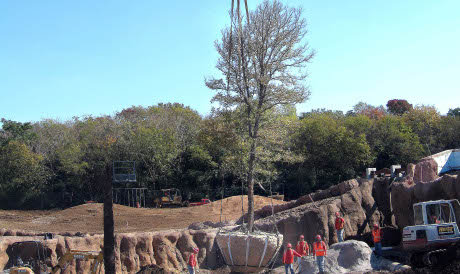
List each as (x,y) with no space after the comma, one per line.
(70,255)
(170,197)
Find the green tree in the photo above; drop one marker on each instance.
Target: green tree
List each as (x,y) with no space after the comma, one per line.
(393,142)
(265,67)
(424,121)
(332,153)
(17,131)
(455,112)
(22,176)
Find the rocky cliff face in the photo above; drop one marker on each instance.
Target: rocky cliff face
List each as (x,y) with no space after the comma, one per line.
(356,204)
(168,249)
(421,184)
(362,203)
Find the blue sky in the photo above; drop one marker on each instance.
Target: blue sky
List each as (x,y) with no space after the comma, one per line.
(60,59)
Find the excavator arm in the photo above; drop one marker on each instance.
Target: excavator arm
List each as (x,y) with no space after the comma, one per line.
(71,255)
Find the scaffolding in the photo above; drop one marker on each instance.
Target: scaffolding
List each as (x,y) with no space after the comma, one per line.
(124,173)
(132,196)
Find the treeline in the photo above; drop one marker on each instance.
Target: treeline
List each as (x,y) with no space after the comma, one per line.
(51,163)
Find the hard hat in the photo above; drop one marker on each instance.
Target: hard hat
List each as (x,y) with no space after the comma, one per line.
(337,214)
(289,245)
(195,250)
(318,237)
(301,237)
(376,225)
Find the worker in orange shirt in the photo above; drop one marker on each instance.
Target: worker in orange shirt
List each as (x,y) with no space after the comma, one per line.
(288,258)
(320,251)
(339,224)
(303,249)
(191,262)
(377,235)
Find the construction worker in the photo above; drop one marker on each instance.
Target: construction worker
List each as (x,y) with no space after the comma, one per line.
(288,258)
(377,235)
(320,251)
(435,220)
(339,224)
(303,249)
(191,262)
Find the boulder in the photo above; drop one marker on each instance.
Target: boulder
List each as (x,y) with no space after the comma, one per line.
(248,252)
(345,257)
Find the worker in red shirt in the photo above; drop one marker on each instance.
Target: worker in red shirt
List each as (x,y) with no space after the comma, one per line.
(320,251)
(339,224)
(191,262)
(377,236)
(288,258)
(303,249)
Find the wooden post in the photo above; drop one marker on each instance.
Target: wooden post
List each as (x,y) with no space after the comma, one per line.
(109,236)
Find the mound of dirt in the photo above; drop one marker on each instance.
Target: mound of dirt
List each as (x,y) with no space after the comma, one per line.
(87,218)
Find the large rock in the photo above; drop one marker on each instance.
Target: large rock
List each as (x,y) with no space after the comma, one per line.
(333,191)
(349,256)
(406,192)
(248,252)
(357,206)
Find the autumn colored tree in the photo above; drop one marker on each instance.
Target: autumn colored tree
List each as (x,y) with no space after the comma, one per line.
(398,106)
(370,111)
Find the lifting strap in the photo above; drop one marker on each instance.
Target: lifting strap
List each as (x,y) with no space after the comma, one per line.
(265,249)
(229,249)
(248,240)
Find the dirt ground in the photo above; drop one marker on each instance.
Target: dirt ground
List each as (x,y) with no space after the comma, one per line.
(87,218)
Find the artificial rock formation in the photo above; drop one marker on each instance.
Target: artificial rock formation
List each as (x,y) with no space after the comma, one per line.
(133,251)
(357,206)
(421,184)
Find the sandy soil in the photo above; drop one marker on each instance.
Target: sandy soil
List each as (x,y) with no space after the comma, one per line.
(87,218)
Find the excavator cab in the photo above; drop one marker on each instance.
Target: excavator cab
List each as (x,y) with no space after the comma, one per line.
(434,231)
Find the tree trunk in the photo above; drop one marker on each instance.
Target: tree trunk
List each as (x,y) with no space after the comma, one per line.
(252,157)
(109,237)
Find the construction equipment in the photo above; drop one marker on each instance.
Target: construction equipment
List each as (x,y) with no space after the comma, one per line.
(170,197)
(71,254)
(435,233)
(202,202)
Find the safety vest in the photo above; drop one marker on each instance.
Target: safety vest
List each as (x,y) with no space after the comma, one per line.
(288,257)
(377,234)
(319,248)
(339,223)
(302,248)
(192,260)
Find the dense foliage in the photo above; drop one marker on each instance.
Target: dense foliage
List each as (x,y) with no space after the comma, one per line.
(51,163)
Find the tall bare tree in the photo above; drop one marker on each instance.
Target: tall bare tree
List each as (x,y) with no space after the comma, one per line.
(265,66)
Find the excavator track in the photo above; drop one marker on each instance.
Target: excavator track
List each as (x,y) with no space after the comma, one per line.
(433,257)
